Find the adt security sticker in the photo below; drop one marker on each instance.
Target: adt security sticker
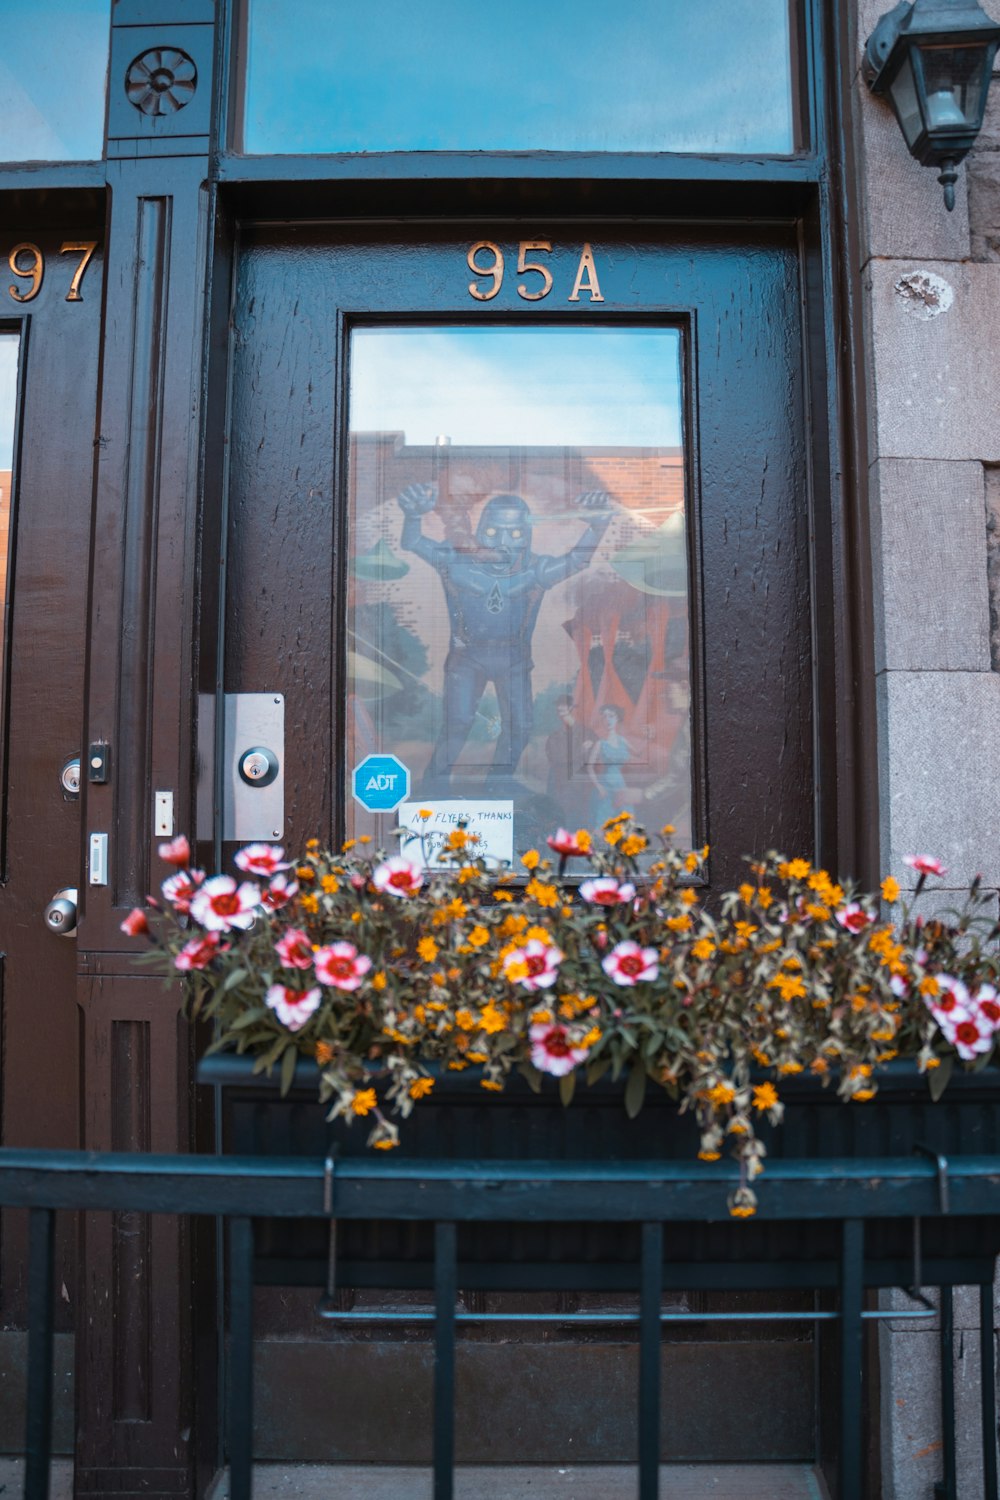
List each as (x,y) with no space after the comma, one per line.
(380,783)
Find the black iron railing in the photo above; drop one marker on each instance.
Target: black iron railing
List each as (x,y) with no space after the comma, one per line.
(864,1210)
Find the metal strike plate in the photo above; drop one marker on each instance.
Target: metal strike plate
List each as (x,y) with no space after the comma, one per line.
(253,807)
(97,859)
(163,814)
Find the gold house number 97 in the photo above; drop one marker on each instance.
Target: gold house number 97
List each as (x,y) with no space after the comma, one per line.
(28,264)
(485,258)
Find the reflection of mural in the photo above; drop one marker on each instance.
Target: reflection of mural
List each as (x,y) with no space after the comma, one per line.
(610,633)
(493,589)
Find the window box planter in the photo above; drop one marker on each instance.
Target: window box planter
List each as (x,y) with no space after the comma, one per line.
(462,1122)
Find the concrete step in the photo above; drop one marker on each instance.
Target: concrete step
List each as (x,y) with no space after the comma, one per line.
(531,1482)
(487,1482)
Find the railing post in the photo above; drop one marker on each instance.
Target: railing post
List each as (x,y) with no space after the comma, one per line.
(650,1336)
(445,1292)
(988,1391)
(947,1489)
(851,1358)
(240,1358)
(38,1424)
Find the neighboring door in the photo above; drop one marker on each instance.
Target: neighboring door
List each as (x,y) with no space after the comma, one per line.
(523,510)
(50,307)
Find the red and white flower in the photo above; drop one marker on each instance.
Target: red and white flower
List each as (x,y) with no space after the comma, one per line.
(854,917)
(553,1049)
(262,859)
(398,876)
(536,965)
(199,952)
(135,923)
(220,904)
(293,1007)
(986,1001)
(342,966)
(605,890)
(179,889)
(951,999)
(627,963)
(969,1034)
(570,845)
(177,852)
(294,949)
(924,864)
(279,892)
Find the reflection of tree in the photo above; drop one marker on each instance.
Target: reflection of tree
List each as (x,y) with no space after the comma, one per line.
(400,663)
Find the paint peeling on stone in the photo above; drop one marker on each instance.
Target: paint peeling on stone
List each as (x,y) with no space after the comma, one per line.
(924,294)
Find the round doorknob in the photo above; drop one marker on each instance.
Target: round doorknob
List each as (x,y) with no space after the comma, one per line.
(258,766)
(60,914)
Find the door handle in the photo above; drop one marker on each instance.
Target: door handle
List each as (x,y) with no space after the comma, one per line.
(60,914)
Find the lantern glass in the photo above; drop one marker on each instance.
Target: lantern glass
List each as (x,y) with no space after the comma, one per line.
(954,79)
(906,101)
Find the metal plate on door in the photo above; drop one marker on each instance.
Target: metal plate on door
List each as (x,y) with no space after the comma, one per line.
(254,792)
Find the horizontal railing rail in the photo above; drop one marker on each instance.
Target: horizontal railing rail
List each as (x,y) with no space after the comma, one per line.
(851,1194)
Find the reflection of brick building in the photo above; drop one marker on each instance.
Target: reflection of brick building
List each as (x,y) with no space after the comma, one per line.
(5,486)
(615,633)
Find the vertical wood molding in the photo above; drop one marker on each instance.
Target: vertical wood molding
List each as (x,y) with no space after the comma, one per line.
(130,1233)
(141,506)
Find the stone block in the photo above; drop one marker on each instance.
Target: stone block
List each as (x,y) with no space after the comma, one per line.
(911,1415)
(923,512)
(989,137)
(934,329)
(939,771)
(983,174)
(902,206)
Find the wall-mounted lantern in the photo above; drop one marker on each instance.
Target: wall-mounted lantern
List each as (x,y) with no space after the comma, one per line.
(934,59)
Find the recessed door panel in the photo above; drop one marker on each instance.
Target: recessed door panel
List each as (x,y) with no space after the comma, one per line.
(396,399)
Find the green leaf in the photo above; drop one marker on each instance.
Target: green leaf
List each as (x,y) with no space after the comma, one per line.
(248,1018)
(597,1069)
(288,1062)
(567,1087)
(531,1073)
(938,1079)
(635,1090)
(235,977)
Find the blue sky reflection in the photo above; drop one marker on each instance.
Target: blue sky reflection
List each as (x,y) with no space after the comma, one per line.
(53,74)
(519,387)
(658,75)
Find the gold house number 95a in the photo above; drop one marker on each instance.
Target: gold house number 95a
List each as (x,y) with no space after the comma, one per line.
(485,258)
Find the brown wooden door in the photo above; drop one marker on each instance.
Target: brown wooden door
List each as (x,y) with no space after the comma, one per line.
(310,566)
(50,341)
(388,392)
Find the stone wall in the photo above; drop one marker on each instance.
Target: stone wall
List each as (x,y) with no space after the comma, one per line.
(931,283)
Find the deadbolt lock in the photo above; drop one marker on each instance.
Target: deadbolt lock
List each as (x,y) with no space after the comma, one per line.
(258,766)
(69,776)
(60,914)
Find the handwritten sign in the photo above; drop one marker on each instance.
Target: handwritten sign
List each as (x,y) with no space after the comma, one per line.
(492,822)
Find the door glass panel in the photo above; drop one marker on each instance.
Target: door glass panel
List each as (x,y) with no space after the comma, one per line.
(657,75)
(53,76)
(517,599)
(9,346)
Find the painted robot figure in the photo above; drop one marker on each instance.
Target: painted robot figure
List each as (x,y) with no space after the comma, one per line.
(493,591)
